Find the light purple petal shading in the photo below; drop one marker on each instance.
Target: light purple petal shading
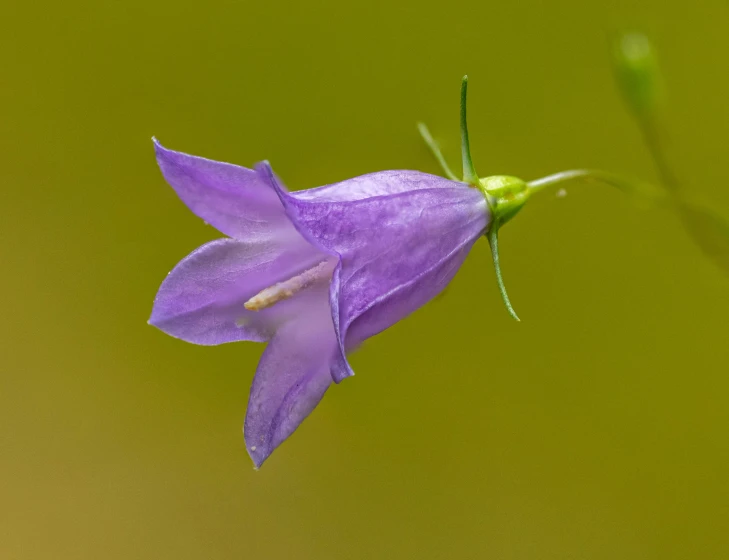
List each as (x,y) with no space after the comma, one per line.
(340,367)
(232,199)
(406,298)
(201,300)
(378,183)
(291,378)
(401,248)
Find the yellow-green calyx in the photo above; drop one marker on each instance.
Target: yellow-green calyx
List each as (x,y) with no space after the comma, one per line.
(506,195)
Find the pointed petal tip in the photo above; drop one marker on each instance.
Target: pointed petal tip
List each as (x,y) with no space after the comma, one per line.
(161,153)
(154,317)
(258,455)
(157,322)
(257,458)
(158,147)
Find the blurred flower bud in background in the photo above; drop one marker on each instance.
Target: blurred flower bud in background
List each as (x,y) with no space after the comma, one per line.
(637,73)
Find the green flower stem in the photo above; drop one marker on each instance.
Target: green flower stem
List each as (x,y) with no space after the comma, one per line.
(638,189)
(639,77)
(651,136)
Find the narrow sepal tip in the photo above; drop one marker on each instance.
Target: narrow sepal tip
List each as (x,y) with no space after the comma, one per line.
(493,237)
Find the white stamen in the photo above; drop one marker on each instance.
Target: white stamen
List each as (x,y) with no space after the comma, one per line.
(288,288)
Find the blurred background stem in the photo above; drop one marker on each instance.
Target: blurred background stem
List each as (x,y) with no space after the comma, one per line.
(639,78)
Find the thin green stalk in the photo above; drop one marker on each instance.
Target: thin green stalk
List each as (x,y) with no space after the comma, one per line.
(435,149)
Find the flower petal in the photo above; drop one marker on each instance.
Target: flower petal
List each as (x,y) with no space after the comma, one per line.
(291,378)
(379,183)
(399,302)
(340,368)
(201,300)
(232,199)
(397,251)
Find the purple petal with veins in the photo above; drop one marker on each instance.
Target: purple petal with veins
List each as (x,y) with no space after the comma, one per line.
(314,272)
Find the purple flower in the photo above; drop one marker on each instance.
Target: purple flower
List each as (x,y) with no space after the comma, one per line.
(314,272)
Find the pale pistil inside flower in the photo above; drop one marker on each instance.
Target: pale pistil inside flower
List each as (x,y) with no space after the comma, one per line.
(322,272)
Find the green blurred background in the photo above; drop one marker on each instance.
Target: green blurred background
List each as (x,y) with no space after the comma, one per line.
(597,428)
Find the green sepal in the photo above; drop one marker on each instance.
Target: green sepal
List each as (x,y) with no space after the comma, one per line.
(469,171)
(493,237)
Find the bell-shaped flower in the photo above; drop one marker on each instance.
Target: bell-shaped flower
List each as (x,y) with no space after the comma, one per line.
(316,272)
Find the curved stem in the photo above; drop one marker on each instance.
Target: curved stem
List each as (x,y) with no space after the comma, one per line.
(555,178)
(493,237)
(629,186)
(652,138)
(469,172)
(435,149)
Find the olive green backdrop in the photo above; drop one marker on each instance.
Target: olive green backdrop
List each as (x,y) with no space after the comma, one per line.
(598,428)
